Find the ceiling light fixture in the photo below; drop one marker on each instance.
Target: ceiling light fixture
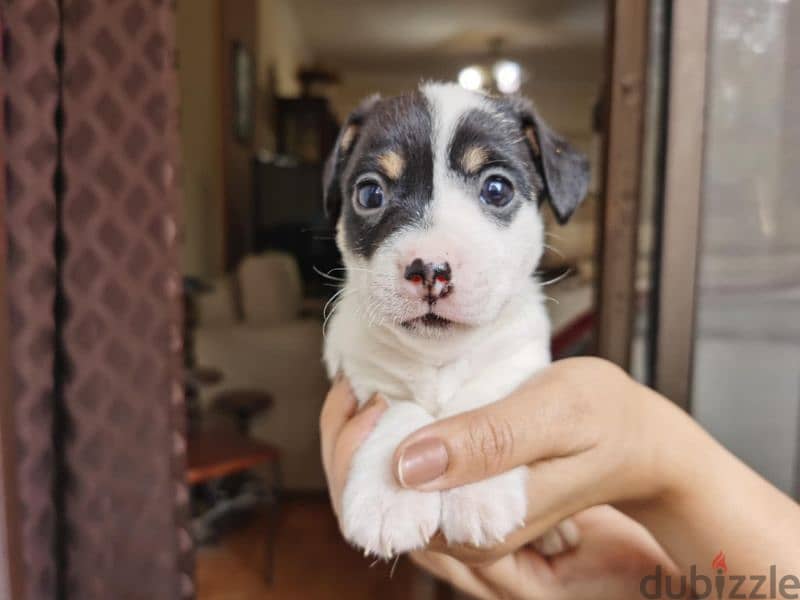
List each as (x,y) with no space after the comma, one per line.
(505,76)
(471,78)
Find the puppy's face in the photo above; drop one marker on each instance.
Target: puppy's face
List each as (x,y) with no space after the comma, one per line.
(436,197)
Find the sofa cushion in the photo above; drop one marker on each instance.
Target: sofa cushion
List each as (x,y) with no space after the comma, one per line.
(270,288)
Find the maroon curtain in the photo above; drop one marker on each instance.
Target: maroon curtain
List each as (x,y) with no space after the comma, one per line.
(30,83)
(94,289)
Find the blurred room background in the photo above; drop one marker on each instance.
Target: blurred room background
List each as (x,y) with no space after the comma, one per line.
(264,86)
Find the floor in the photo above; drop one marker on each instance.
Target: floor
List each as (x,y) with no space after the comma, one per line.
(312,562)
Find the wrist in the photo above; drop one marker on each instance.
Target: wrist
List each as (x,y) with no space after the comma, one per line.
(675,458)
(667,454)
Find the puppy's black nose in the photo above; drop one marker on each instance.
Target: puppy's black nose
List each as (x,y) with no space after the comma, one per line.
(428,273)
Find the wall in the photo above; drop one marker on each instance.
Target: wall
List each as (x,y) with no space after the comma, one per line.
(282,50)
(239,26)
(198,42)
(270,28)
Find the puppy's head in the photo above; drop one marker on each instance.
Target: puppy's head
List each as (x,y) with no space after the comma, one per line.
(436,198)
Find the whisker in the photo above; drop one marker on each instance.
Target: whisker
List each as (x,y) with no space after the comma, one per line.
(330,307)
(326,275)
(557,278)
(554,250)
(394,566)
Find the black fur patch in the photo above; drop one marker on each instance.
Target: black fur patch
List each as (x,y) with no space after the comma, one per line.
(501,139)
(401,124)
(542,166)
(563,170)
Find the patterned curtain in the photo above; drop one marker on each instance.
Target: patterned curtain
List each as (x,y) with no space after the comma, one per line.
(30,85)
(94,287)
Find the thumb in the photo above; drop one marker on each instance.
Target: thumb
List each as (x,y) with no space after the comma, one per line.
(536,422)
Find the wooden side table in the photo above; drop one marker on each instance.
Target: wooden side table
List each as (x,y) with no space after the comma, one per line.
(217,453)
(242,405)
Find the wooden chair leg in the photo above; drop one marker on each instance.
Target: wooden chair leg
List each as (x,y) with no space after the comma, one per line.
(272,525)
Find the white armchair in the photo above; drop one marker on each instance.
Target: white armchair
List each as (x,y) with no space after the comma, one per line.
(251,327)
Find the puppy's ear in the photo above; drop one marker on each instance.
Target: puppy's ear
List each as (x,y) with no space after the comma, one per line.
(564,169)
(348,135)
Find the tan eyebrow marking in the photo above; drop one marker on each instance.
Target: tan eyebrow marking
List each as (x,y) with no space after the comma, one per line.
(474,158)
(392,164)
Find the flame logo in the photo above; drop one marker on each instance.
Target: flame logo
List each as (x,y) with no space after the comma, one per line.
(719,562)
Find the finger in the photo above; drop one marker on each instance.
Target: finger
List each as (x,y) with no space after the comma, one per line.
(518,575)
(556,491)
(541,420)
(453,572)
(340,404)
(351,436)
(556,540)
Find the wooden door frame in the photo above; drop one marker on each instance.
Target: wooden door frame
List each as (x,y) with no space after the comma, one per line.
(683,182)
(675,257)
(628,26)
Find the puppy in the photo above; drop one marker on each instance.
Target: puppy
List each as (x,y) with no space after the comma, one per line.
(436,195)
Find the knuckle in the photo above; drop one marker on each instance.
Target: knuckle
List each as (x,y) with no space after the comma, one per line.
(490,441)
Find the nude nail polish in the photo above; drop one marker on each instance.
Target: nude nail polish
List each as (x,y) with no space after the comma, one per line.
(422,462)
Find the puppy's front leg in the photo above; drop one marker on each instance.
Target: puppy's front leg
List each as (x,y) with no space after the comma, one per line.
(377,514)
(485,512)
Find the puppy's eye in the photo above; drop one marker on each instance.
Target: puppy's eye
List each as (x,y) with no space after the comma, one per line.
(369,195)
(497,191)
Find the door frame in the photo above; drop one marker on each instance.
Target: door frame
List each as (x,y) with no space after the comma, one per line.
(680,164)
(628,25)
(683,182)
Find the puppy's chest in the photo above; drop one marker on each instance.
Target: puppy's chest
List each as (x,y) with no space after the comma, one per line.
(455,386)
(432,388)
(436,388)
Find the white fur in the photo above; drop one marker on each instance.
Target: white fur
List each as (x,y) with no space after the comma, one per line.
(501,340)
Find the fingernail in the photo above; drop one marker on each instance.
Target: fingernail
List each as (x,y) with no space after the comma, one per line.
(422,462)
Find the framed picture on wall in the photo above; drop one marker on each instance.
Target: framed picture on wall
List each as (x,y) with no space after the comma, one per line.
(243,92)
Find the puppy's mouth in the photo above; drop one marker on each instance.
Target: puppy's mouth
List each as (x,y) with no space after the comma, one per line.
(431,320)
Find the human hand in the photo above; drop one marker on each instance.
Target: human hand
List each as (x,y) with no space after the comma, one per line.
(614,556)
(615,552)
(342,430)
(587,433)
(590,435)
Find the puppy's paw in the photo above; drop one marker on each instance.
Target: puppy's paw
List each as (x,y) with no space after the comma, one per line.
(485,512)
(385,520)
(561,538)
